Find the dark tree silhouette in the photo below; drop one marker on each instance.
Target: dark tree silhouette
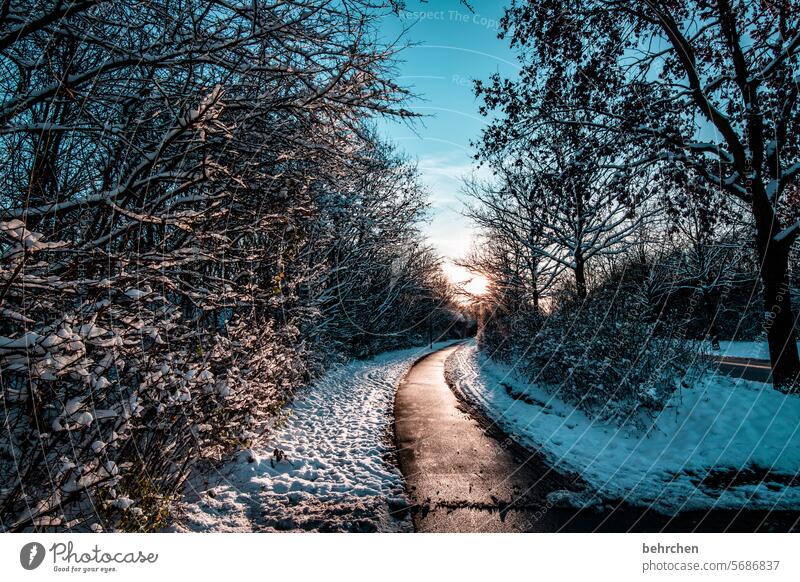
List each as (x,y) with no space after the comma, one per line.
(709,86)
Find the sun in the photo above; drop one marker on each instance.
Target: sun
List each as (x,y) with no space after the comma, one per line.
(478,285)
(471,282)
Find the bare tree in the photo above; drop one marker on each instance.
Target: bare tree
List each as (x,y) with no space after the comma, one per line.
(562,198)
(706,86)
(175,172)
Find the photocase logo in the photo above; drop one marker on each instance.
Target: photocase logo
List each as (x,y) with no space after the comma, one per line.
(31,555)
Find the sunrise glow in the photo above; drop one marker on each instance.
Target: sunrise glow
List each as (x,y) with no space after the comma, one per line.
(473,283)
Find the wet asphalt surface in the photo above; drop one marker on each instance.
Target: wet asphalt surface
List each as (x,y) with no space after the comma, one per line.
(747,368)
(464,475)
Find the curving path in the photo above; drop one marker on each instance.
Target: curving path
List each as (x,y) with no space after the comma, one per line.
(464,476)
(460,477)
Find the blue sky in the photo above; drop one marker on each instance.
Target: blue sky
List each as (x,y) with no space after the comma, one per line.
(453,46)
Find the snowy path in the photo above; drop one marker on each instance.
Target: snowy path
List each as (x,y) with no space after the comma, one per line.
(339,473)
(724,444)
(463,479)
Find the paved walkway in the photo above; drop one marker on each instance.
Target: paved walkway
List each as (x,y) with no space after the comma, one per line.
(465,477)
(461,478)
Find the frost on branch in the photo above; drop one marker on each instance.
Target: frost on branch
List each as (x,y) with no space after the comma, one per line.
(196,219)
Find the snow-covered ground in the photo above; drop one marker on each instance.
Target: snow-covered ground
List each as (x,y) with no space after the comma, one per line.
(338,473)
(723,444)
(741,349)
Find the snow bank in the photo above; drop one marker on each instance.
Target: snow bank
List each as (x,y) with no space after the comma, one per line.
(723,444)
(758,350)
(337,473)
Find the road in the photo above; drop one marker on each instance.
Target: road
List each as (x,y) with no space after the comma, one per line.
(747,368)
(465,476)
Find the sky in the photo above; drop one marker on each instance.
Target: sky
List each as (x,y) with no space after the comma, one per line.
(451,46)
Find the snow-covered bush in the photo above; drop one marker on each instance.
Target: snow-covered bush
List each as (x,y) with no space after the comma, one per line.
(599,354)
(193,214)
(108,405)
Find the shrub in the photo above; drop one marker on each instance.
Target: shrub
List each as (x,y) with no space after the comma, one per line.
(599,355)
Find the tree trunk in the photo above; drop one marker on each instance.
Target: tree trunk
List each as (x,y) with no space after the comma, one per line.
(534,288)
(780,321)
(711,318)
(580,276)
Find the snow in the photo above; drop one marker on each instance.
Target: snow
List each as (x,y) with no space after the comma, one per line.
(138,293)
(758,350)
(338,472)
(721,430)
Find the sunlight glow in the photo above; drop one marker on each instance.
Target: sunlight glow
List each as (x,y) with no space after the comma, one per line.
(469,281)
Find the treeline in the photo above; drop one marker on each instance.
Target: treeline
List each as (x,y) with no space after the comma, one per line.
(195,219)
(644,193)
